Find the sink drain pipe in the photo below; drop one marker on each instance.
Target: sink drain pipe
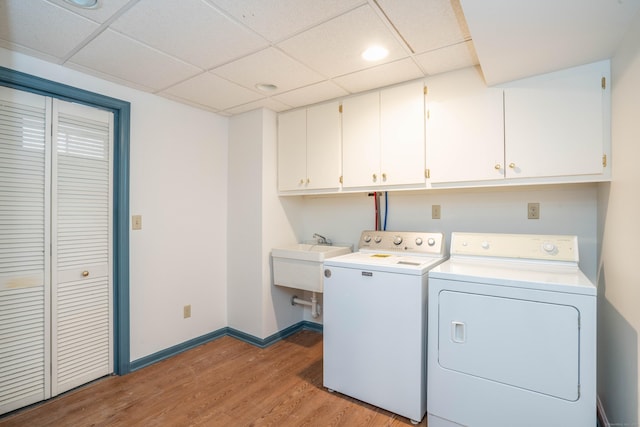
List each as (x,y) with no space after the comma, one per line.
(315,307)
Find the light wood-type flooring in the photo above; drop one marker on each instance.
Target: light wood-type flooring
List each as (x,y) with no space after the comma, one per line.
(225,382)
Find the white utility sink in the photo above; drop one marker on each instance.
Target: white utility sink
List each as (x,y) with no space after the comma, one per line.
(300,266)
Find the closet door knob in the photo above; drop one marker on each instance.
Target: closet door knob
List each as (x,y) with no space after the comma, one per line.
(85,273)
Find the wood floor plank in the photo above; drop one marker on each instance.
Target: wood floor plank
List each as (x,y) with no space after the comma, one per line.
(225,382)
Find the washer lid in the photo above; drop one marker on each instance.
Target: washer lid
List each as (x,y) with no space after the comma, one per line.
(385,261)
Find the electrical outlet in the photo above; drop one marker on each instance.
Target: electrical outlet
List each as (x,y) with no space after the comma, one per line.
(136,222)
(533,211)
(186,311)
(435,211)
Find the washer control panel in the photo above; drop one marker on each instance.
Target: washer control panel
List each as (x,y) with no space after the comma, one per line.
(525,246)
(402,241)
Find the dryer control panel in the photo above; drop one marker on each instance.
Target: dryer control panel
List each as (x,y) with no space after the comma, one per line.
(517,246)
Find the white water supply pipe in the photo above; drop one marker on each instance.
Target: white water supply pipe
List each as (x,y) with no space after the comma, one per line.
(315,307)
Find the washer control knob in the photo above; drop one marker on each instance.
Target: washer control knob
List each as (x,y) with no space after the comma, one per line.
(549,247)
(378,239)
(431,241)
(418,241)
(485,245)
(397,240)
(367,238)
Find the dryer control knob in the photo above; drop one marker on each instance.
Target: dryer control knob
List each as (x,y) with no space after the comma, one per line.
(549,247)
(378,239)
(418,241)
(397,240)
(367,238)
(431,241)
(485,245)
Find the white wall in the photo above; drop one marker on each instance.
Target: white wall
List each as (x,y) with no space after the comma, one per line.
(564,209)
(619,274)
(244,294)
(257,223)
(179,186)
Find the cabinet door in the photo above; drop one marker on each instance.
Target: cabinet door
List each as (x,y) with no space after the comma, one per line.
(361,140)
(292,150)
(465,128)
(402,145)
(555,123)
(323,146)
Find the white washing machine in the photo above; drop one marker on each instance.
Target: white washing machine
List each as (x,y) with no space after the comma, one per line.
(512,334)
(375,303)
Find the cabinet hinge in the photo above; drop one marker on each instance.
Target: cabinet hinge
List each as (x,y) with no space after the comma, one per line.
(340,179)
(425,89)
(604,160)
(340,108)
(603,82)
(427,173)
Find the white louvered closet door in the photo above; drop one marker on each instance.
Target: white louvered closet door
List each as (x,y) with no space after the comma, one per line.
(81,245)
(55,247)
(24,249)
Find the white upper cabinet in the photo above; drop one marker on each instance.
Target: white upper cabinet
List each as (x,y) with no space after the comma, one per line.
(558,124)
(309,148)
(402,135)
(383,138)
(361,140)
(323,146)
(465,128)
(292,150)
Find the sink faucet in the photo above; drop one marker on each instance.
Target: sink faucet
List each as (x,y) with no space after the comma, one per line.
(321,240)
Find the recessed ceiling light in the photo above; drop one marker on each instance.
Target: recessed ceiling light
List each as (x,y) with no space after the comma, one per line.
(374,53)
(266,87)
(85,4)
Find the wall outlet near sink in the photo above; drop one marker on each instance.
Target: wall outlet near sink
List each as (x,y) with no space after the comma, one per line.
(435,211)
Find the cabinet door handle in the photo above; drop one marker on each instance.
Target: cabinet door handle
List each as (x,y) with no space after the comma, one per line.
(384,177)
(497,166)
(308,180)
(375,177)
(85,273)
(301,181)
(512,165)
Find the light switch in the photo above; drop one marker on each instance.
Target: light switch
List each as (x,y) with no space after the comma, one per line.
(136,222)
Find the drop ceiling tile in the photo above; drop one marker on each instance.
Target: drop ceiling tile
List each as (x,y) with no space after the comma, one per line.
(311,94)
(278,19)
(42,27)
(116,55)
(194,32)
(101,14)
(334,48)
(427,25)
(448,58)
(269,103)
(213,91)
(382,75)
(268,66)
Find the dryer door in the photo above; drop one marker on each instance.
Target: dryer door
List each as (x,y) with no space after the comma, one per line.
(531,345)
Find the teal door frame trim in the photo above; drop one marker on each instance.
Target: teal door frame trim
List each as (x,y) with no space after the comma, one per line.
(122,122)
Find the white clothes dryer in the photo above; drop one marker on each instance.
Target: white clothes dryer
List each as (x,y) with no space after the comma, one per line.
(512,334)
